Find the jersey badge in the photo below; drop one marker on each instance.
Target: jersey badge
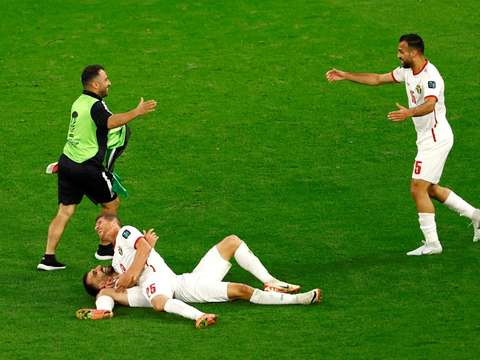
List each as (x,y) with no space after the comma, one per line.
(419,89)
(120,251)
(432,85)
(126,234)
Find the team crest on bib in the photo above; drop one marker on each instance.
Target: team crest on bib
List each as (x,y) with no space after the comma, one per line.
(419,89)
(126,234)
(432,85)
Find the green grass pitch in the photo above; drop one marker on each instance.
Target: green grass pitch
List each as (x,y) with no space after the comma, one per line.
(249,139)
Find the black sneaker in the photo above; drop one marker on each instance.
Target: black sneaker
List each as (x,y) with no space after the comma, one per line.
(49,263)
(104,252)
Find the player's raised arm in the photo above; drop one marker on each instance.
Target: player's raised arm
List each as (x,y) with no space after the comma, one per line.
(151,237)
(361,78)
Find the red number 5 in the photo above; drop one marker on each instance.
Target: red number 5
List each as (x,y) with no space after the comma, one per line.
(418,168)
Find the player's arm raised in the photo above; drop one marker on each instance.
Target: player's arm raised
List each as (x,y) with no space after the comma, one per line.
(361,78)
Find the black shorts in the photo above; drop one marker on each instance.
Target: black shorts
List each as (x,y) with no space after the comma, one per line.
(72,185)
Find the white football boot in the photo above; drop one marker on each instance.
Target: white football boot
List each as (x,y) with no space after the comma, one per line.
(428,248)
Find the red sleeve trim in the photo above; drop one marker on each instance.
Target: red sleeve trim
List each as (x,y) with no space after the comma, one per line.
(393,77)
(136,241)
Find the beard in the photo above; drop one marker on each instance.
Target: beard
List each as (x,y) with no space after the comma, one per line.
(406,64)
(109,271)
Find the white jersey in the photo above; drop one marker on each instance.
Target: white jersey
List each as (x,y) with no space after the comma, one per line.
(124,254)
(434,127)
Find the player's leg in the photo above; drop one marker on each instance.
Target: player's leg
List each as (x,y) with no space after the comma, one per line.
(55,232)
(426,216)
(456,203)
(256,296)
(105,303)
(178,307)
(69,196)
(233,246)
(98,188)
(427,171)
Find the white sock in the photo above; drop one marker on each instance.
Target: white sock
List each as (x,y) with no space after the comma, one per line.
(105,303)
(247,260)
(428,226)
(177,307)
(272,298)
(456,203)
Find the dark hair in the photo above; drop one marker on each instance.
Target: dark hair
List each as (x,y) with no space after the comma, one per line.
(90,289)
(414,41)
(110,217)
(90,73)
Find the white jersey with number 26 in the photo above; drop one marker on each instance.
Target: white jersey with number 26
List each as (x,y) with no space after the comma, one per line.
(434,127)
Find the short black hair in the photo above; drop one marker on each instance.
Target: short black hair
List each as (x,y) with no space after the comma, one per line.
(110,217)
(90,73)
(90,289)
(414,41)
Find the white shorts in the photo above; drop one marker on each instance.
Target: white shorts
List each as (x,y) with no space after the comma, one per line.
(205,284)
(136,297)
(429,162)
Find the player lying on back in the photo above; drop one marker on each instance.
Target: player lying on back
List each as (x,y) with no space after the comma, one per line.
(135,262)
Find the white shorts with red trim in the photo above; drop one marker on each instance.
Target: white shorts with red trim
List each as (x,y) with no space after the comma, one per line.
(430,161)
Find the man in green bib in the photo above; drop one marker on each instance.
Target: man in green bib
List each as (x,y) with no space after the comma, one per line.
(80,167)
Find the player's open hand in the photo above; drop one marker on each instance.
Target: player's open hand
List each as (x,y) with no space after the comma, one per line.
(335,75)
(146,107)
(399,115)
(151,237)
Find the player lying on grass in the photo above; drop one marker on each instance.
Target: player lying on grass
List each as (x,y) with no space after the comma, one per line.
(135,262)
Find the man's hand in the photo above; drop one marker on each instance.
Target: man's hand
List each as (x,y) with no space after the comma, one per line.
(151,237)
(123,282)
(145,108)
(400,115)
(335,75)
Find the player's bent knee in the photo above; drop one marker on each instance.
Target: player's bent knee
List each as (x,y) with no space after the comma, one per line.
(234,240)
(239,291)
(159,301)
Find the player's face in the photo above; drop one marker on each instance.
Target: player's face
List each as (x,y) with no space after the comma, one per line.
(105,229)
(100,274)
(103,84)
(405,55)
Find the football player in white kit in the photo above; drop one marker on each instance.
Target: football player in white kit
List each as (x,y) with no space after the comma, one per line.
(425,92)
(135,261)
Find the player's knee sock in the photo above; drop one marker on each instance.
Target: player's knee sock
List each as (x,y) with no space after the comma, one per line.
(428,226)
(247,260)
(177,307)
(105,303)
(272,298)
(456,203)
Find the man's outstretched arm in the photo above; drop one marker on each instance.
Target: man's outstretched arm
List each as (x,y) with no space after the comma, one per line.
(361,78)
